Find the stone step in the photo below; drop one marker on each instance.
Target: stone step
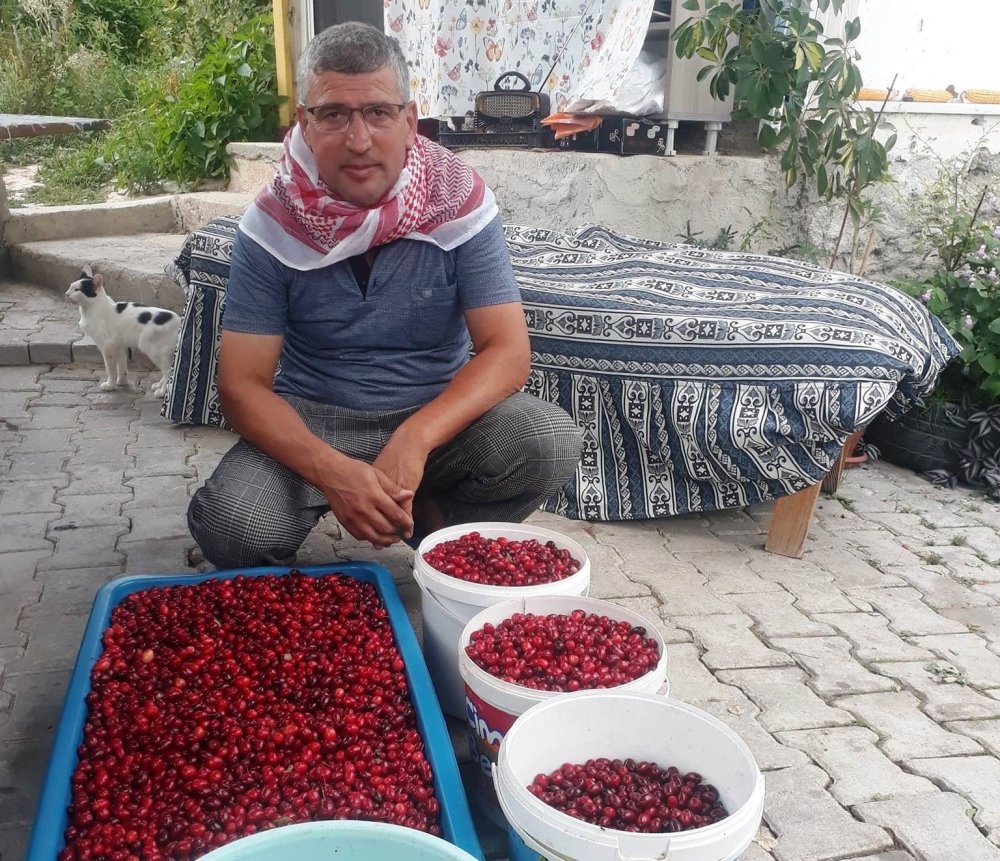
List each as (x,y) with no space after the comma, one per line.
(40,223)
(133,266)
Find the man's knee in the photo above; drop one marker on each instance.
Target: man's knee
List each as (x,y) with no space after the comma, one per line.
(538,439)
(231,535)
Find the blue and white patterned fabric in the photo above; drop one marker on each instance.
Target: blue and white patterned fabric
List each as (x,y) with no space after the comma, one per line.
(706,380)
(702,379)
(202,270)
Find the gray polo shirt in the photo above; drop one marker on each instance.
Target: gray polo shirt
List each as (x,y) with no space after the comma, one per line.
(395,346)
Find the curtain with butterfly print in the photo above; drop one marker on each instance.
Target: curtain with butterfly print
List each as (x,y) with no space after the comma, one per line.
(458,48)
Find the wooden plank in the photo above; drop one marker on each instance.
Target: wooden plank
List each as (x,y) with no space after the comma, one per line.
(832,480)
(33,126)
(790,522)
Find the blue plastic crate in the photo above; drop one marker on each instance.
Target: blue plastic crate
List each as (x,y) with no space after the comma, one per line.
(51,819)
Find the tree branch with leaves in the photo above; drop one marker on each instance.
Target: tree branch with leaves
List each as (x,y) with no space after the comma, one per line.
(783,70)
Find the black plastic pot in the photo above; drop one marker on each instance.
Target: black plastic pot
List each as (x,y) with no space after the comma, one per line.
(920,440)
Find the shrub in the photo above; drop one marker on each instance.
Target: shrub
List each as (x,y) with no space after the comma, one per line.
(967,300)
(228,96)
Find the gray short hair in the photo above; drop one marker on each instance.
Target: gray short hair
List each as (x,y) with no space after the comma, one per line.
(352,48)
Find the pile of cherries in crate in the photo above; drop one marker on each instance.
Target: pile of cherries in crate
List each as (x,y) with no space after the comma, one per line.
(228,707)
(502,561)
(563,652)
(630,796)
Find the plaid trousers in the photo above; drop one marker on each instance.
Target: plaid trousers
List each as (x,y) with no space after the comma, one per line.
(254,511)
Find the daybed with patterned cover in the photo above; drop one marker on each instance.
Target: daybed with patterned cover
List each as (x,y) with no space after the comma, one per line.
(702,380)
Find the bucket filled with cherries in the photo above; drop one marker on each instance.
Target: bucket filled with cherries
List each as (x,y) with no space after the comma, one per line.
(463,569)
(614,774)
(521,652)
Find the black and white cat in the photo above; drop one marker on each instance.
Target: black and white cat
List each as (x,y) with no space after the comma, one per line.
(117,327)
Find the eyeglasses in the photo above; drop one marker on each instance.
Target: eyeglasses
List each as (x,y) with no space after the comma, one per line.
(337,118)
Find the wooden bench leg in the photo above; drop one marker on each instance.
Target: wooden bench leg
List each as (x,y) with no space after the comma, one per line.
(790,522)
(832,480)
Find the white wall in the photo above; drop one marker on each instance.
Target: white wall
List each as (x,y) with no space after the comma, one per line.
(930,43)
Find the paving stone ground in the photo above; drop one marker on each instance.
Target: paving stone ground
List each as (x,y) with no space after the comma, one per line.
(865,677)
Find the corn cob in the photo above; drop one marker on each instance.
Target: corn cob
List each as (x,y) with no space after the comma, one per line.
(920,95)
(982,97)
(870,94)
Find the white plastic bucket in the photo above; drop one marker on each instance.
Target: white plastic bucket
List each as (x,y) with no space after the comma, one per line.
(492,705)
(339,840)
(448,603)
(620,724)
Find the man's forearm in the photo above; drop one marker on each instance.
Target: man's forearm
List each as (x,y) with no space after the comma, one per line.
(268,421)
(489,378)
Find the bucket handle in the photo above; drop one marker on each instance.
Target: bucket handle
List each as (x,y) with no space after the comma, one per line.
(546,853)
(419,580)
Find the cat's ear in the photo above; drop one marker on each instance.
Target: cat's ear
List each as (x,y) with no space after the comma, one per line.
(88,271)
(98,280)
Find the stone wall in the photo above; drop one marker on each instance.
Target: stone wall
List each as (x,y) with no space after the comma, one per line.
(661,198)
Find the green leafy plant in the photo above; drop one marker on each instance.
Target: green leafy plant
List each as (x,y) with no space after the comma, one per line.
(228,96)
(965,294)
(781,69)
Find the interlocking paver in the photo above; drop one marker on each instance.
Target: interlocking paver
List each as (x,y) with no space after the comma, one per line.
(36,466)
(908,614)
(45,418)
(691,681)
(24,532)
(682,590)
(872,640)
(813,594)
(833,669)
(56,439)
(30,497)
(934,827)
(851,574)
(860,771)
(162,491)
(69,591)
(159,556)
(153,523)
(982,620)
(729,642)
(16,568)
(84,547)
(617,583)
(784,700)
(906,732)
(775,616)
(22,767)
(943,693)
(810,824)
(161,461)
(94,510)
(985,731)
(38,699)
(50,646)
(969,653)
(94,480)
(975,778)
(941,590)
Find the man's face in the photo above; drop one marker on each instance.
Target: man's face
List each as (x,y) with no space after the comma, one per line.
(359,165)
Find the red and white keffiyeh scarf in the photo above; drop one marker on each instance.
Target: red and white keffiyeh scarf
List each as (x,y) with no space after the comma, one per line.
(437,199)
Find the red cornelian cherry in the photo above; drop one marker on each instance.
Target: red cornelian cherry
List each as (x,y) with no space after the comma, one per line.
(630,796)
(234,706)
(556,652)
(502,561)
